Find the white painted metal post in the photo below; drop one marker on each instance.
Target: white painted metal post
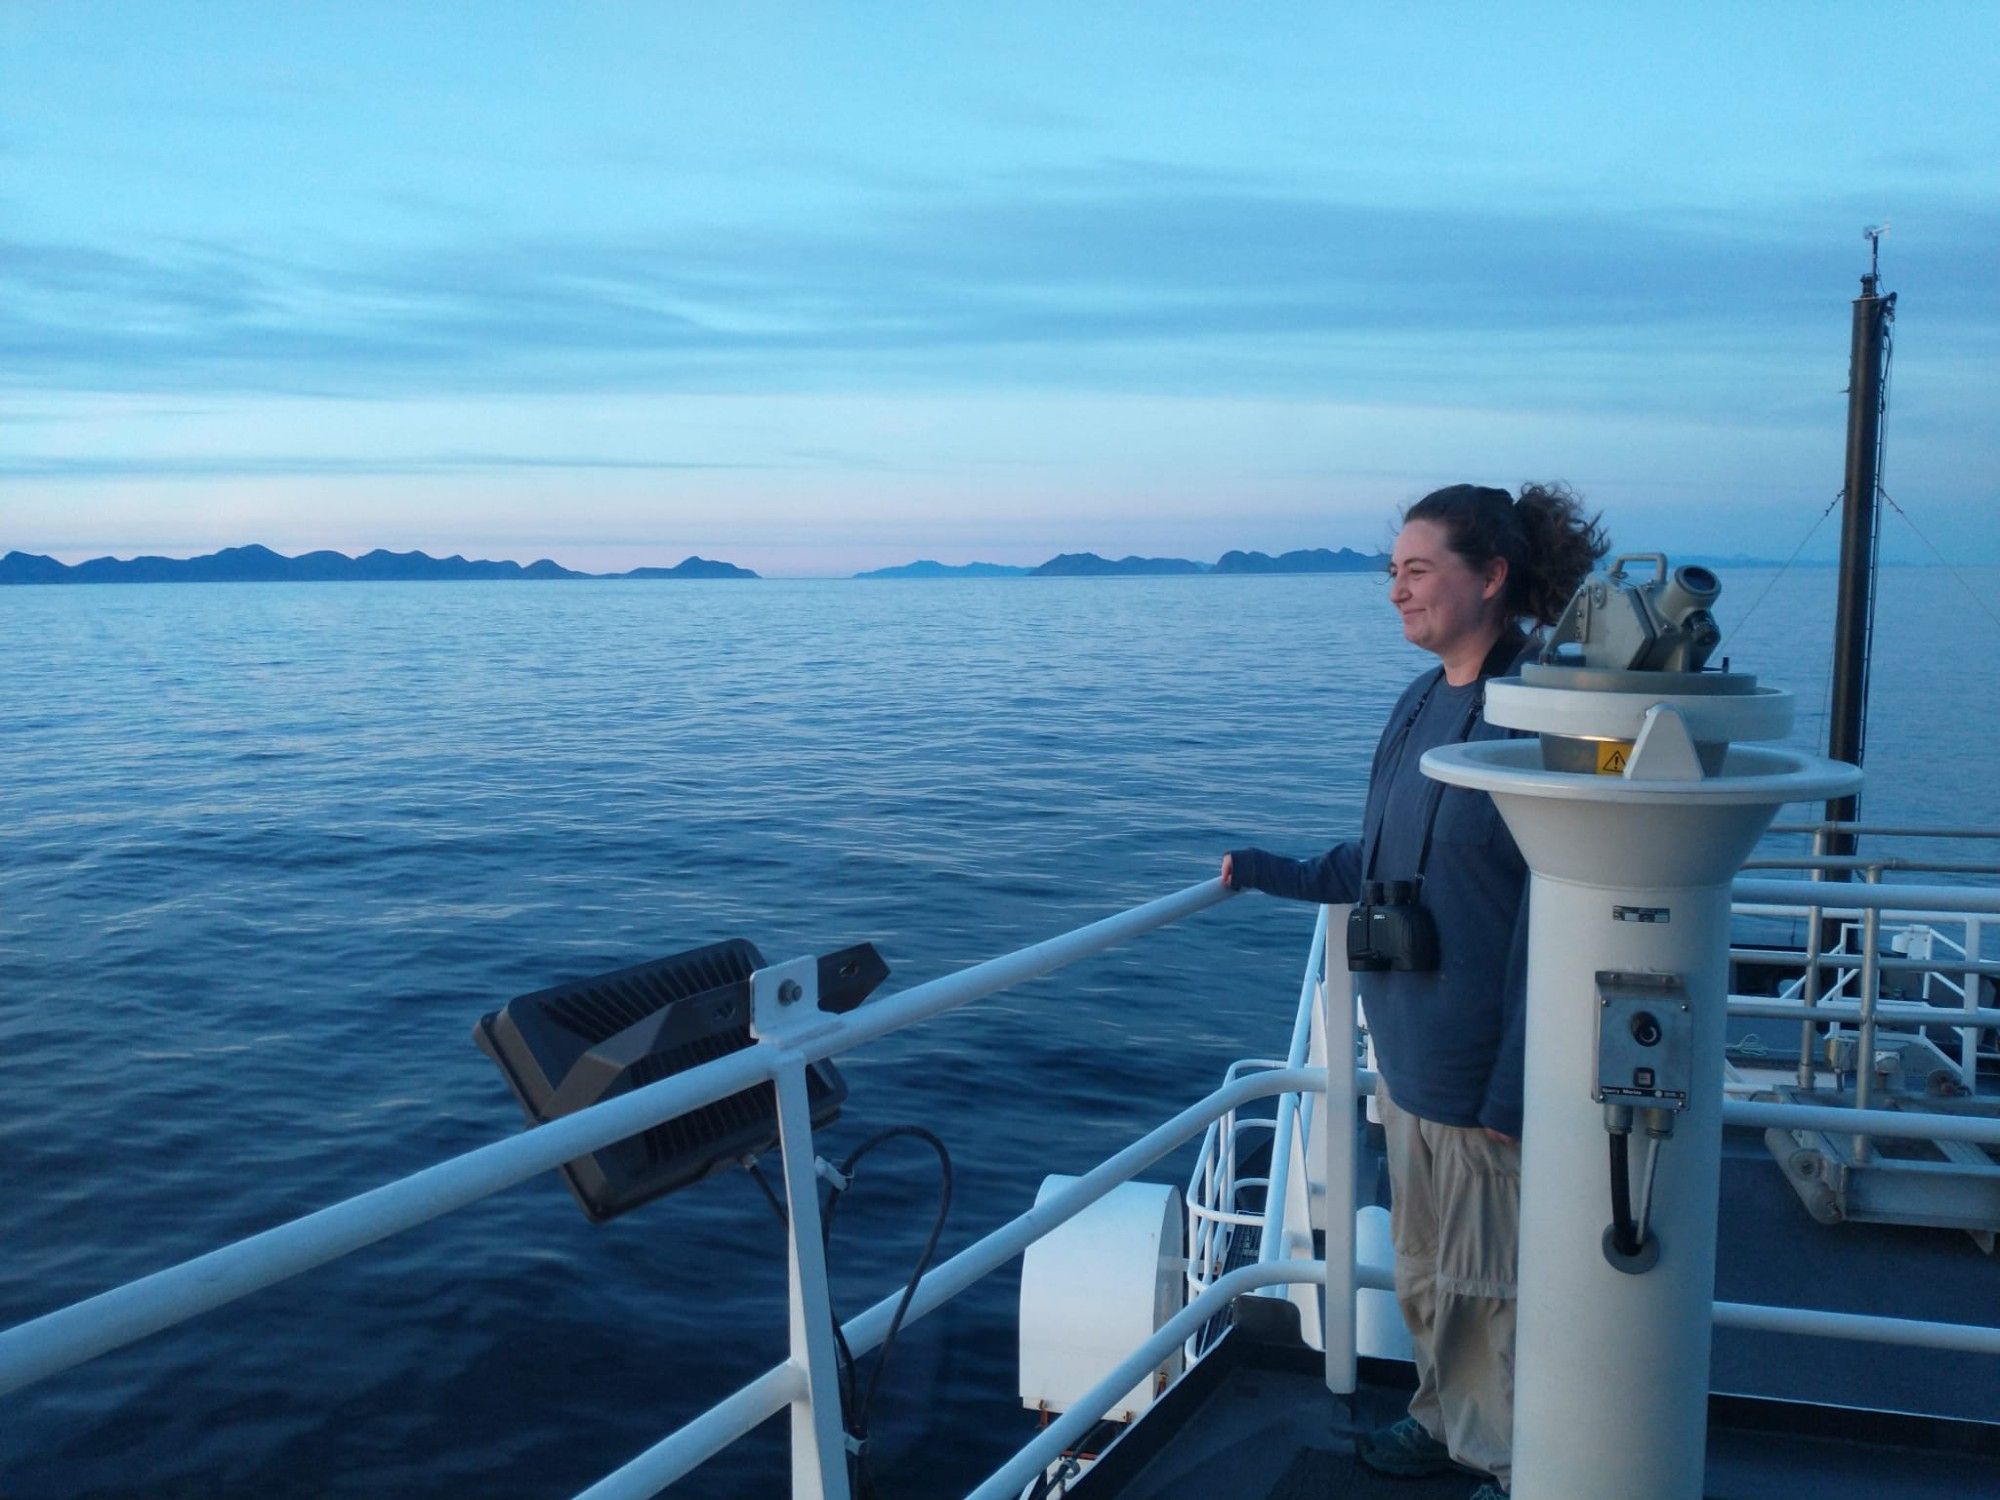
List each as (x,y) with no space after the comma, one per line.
(1871,993)
(1288,1216)
(1629,877)
(1623,1357)
(1295,1233)
(1312,1114)
(1337,1131)
(784,1007)
(819,1443)
(1968,1036)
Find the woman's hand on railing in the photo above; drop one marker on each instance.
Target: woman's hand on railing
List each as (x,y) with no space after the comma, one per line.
(1228,872)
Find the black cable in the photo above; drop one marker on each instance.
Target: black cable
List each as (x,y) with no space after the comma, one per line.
(843,1363)
(1624,1234)
(854,1415)
(923,1259)
(757,1173)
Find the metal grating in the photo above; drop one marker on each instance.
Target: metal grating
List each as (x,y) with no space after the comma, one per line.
(597,1009)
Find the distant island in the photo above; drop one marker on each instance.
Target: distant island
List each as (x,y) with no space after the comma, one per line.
(925,568)
(1312,560)
(255,564)
(1090,565)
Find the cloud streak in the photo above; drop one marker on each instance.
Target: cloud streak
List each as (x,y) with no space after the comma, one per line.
(43,466)
(1123,279)
(1133,277)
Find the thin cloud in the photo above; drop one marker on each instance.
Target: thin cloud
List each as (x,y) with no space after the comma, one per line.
(33,466)
(1166,285)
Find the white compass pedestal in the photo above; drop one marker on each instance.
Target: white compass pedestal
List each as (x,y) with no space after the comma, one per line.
(1628,875)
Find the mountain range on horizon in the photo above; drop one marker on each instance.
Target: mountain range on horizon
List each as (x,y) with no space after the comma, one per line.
(1090,565)
(259,564)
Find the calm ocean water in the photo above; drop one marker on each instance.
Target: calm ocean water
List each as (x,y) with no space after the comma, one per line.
(267,851)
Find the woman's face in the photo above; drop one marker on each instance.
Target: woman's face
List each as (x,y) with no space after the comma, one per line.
(1447,605)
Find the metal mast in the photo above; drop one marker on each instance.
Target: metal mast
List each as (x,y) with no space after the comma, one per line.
(1860,523)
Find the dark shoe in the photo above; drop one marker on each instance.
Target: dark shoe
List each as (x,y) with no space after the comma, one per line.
(1405,1450)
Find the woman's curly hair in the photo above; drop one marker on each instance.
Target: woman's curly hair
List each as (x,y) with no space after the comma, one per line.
(1547,540)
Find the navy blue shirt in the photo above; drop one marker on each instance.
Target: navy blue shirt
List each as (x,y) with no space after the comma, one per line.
(1449,1043)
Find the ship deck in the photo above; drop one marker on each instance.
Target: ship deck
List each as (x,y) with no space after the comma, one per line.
(1256,1422)
(1789,1416)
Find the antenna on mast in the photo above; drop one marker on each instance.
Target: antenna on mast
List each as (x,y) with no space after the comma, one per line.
(1873,234)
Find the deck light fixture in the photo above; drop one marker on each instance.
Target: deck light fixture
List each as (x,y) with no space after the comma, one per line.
(576,1044)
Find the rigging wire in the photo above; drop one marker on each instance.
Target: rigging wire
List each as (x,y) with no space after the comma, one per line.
(1811,532)
(1970,593)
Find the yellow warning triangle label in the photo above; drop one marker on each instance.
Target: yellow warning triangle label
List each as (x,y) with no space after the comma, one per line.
(1612,756)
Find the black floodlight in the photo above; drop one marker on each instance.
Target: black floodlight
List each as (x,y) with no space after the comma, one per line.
(569,1047)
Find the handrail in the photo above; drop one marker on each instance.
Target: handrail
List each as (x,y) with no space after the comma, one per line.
(1888,830)
(1986,967)
(1083,1414)
(1840,1120)
(688,1446)
(1872,1328)
(1870,862)
(1889,1012)
(69,1336)
(58,1340)
(894,1012)
(1834,899)
(1284,1142)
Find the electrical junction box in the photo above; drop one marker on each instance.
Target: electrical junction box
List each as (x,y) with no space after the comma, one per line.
(1645,1040)
(1097,1287)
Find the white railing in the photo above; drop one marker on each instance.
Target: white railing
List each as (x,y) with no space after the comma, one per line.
(790,1036)
(1857,912)
(1328,1012)
(1923,908)
(1217,1189)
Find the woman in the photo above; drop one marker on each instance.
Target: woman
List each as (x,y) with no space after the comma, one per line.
(1470,565)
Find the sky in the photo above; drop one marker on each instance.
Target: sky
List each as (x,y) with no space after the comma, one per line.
(817,288)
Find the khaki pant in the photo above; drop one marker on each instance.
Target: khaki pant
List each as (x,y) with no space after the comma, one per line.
(1455,1215)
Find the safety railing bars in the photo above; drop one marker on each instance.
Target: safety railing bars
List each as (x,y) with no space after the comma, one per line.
(1877,863)
(1889,830)
(682,1450)
(1910,899)
(1901,1013)
(1337,1008)
(1007,1481)
(1287,1228)
(1913,904)
(1986,967)
(72,1335)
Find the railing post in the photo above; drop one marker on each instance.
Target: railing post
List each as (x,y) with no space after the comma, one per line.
(1337,1025)
(1968,1036)
(1871,987)
(784,1004)
(1808,1070)
(1288,1185)
(819,1441)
